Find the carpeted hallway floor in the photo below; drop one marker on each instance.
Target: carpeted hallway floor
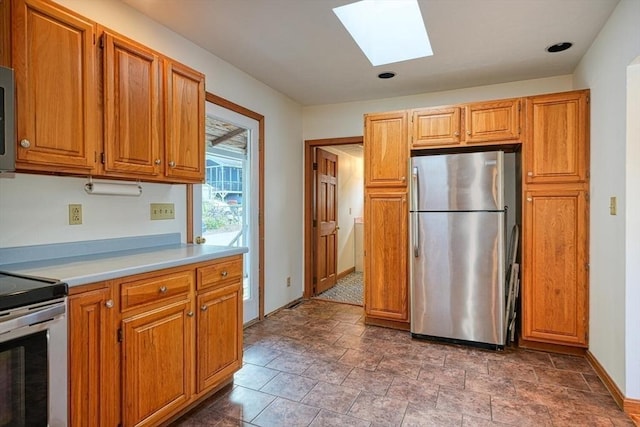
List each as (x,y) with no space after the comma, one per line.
(348,290)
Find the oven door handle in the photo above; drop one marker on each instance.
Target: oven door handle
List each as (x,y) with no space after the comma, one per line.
(39,316)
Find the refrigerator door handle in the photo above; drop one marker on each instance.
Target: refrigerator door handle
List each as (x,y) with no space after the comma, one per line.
(415,223)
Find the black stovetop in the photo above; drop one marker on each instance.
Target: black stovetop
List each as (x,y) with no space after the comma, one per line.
(19,291)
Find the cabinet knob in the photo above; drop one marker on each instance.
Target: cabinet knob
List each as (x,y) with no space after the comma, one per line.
(203,308)
(25,143)
(529,199)
(158,161)
(456,133)
(172,164)
(403,179)
(200,240)
(190,314)
(468,132)
(109,303)
(529,173)
(224,273)
(163,289)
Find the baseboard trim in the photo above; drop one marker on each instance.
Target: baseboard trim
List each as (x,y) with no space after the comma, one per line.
(393,324)
(630,406)
(553,348)
(346,272)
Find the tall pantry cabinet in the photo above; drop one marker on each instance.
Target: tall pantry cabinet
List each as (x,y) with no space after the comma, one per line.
(555,220)
(385,219)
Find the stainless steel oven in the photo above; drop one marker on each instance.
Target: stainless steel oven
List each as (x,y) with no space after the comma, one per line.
(33,352)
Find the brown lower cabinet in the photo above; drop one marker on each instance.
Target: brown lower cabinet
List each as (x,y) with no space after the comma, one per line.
(141,350)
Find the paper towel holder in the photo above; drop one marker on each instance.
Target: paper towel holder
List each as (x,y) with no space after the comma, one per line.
(113,188)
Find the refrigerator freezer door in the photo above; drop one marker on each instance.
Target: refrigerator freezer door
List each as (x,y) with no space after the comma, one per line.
(457,289)
(458,182)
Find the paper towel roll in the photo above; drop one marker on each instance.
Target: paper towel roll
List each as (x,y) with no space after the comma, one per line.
(113,189)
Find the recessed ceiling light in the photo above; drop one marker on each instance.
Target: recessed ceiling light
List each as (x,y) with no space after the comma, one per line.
(559,47)
(386,31)
(387,75)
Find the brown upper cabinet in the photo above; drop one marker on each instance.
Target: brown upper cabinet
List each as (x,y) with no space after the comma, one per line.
(54,57)
(386,153)
(480,123)
(184,123)
(558,138)
(133,134)
(152,107)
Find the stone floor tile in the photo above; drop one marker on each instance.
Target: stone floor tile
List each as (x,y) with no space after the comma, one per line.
(290,386)
(469,421)
(451,377)
(329,372)
(422,393)
(468,362)
(378,409)
(376,382)
(242,403)
(324,351)
(513,371)
(595,384)
(260,354)
(253,376)
(465,402)
(290,345)
(417,417)
(331,419)
(283,412)
(397,366)
(289,362)
(562,378)
(332,397)
(492,385)
(518,412)
(571,363)
(361,359)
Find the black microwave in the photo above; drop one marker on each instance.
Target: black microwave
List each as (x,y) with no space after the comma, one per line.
(7,121)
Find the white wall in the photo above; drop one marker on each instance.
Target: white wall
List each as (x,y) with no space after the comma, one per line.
(283,169)
(603,69)
(350,205)
(338,120)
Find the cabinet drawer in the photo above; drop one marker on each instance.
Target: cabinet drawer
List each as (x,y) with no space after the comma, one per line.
(224,271)
(149,290)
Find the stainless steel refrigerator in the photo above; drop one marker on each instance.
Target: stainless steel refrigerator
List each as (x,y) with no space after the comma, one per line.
(457,255)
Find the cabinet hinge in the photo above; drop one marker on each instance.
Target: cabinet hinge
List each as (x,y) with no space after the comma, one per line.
(315,222)
(586,266)
(102,158)
(120,335)
(315,166)
(519,106)
(519,130)
(586,196)
(588,99)
(102,42)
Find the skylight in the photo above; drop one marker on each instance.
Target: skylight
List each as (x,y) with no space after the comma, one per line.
(387,31)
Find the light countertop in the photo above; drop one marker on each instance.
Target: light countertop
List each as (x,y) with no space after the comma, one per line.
(85,269)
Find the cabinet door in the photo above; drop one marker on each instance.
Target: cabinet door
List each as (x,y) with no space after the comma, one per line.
(184,123)
(555,283)
(219,346)
(157,363)
(492,121)
(385,261)
(435,127)
(386,149)
(93,356)
(132,112)
(56,91)
(557,148)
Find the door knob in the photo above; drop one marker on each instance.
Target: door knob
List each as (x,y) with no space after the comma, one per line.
(25,143)
(163,289)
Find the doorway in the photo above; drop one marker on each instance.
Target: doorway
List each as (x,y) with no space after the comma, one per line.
(227,206)
(333,221)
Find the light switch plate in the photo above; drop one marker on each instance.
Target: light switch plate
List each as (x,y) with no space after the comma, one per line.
(162,211)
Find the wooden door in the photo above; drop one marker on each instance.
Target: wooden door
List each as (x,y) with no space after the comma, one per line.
(385,261)
(386,150)
(492,121)
(157,363)
(132,110)
(219,346)
(555,260)
(326,230)
(435,127)
(557,149)
(56,89)
(93,359)
(184,123)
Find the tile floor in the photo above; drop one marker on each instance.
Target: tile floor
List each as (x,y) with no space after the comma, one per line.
(317,364)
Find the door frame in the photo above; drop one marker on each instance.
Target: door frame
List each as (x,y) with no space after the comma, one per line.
(224,103)
(309,253)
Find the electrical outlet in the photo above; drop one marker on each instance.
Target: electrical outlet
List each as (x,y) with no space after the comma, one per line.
(75,214)
(288,282)
(162,211)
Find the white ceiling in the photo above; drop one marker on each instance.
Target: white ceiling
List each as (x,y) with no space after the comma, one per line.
(299,47)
